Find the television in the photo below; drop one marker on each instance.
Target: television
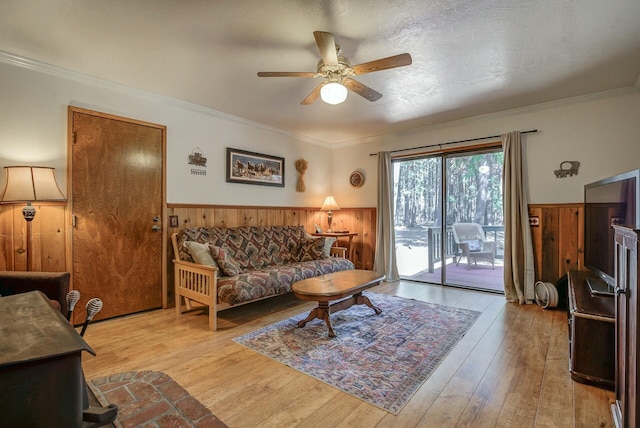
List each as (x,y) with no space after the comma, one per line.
(612,201)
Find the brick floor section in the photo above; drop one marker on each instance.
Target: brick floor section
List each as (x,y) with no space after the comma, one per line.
(152,400)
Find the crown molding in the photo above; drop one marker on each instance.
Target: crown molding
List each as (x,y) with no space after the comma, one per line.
(53,70)
(497,115)
(64,73)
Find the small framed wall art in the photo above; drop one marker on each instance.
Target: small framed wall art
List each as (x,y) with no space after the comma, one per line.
(254,168)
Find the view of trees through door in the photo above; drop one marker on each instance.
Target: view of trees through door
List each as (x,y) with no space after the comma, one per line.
(432,193)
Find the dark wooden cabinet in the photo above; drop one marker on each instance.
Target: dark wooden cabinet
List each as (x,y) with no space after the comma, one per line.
(41,380)
(625,409)
(591,334)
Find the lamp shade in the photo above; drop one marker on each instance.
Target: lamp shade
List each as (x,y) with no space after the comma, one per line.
(330,204)
(30,183)
(333,93)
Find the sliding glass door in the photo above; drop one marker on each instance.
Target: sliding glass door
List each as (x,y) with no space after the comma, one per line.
(448,219)
(418,217)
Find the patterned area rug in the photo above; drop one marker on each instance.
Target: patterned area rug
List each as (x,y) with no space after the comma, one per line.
(381,359)
(151,399)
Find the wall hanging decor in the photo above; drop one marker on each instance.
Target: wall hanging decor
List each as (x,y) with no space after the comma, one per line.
(301,167)
(356,179)
(254,168)
(199,161)
(567,168)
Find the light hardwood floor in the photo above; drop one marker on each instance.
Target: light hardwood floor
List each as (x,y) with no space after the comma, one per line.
(510,369)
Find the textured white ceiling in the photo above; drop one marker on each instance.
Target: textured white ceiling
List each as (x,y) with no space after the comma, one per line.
(469,57)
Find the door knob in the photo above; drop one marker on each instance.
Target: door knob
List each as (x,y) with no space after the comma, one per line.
(156,228)
(156,218)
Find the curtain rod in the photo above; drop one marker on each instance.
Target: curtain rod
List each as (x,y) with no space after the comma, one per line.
(531,131)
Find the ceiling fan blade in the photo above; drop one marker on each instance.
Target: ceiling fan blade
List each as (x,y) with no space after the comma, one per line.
(327,46)
(286,74)
(361,89)
(313,96)
(383,64)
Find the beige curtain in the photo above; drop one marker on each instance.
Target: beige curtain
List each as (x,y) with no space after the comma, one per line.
(385,259)
(518,249)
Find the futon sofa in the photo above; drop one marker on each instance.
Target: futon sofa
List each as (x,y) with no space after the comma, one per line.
(227,267)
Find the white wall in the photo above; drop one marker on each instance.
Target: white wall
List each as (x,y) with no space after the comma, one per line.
(33,112)
(601,131)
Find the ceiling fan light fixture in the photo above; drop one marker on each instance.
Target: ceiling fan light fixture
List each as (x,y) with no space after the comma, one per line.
(333,93)
(337,72)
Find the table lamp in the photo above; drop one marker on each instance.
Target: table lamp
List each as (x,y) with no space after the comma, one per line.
(330,205)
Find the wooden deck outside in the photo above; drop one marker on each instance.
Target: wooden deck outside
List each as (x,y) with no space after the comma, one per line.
(419,258)
(481,277)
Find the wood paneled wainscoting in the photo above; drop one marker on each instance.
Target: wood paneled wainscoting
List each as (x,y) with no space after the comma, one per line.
(359,220)
(558,240)
(48,246)
(49,250)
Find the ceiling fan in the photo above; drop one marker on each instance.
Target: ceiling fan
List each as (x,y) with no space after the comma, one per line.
(337,72)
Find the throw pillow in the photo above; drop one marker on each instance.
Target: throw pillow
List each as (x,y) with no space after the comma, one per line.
(328,243)
(227,263)
(474,245)
(311,249)
(200,253)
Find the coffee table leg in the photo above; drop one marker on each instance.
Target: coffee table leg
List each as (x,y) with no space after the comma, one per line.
(364,300)
(322,313)
(312,315)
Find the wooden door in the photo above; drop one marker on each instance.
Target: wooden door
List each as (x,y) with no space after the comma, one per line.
(117,208)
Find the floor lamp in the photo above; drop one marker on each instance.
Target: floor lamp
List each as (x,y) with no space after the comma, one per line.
(30,184)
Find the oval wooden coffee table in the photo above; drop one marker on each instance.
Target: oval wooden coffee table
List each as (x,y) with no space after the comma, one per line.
(335,286)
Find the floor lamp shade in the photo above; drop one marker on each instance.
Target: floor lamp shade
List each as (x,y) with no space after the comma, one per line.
(29,184)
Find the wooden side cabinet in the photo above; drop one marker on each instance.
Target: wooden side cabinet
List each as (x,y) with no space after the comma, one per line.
(40,365)
(625,409)
(591,334)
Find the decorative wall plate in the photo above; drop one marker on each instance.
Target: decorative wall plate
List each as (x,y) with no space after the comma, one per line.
(356,179)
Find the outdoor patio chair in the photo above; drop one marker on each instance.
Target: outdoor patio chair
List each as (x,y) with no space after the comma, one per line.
(471,241)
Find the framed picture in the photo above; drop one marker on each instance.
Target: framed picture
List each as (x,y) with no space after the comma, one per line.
(254,168)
